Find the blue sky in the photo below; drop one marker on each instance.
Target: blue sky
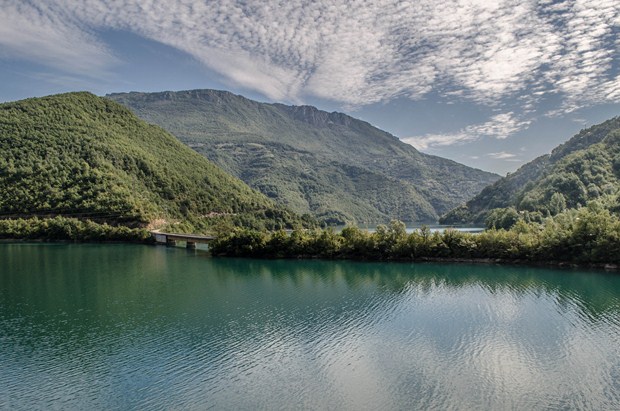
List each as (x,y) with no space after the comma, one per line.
(491,84)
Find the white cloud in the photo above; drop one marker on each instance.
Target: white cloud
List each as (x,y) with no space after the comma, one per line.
(499,126)
(582,67)
(52,39)
(351,51)
(503,155)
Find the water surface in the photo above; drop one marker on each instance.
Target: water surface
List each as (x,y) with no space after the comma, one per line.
(139,327)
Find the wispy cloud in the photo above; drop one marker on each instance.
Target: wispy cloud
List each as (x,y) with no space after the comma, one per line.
(503,155)
(42,34)
(351,51)
(499,126)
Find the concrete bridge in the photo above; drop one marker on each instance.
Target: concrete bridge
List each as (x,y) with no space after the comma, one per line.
(170,239)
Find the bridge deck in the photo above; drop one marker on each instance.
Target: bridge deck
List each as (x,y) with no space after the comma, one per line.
(194,238)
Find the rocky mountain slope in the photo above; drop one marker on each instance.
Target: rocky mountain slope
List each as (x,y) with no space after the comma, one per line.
(330,165)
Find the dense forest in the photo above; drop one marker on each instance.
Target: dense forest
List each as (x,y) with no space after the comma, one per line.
(69,228)
(333,166)
(88,158)
(588,235)
(585,168)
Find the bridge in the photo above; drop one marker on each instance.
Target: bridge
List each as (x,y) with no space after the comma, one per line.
(170,239)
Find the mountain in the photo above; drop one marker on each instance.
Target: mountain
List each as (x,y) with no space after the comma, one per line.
(79,155)
(331,165)
(584,168)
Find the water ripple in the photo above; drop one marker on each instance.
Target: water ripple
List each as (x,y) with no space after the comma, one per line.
(150,328)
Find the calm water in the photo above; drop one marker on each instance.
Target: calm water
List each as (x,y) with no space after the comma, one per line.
(138,327)
(411,227)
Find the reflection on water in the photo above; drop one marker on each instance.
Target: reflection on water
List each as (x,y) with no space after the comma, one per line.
(411,227)
(122,326)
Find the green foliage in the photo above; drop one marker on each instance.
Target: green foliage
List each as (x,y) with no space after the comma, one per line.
(616,165)
(61,228)
(589,235)
(557,204)
(330,165)
(585,168)
(458,215)
(81,156)
(502,218)
(243,242)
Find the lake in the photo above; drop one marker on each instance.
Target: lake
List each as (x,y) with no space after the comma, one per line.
(117,326)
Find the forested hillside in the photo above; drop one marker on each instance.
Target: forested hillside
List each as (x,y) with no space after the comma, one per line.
(585,168)
(78,155)
(329,164)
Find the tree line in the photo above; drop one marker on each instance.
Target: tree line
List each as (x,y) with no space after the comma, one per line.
(63,228)
(588,235)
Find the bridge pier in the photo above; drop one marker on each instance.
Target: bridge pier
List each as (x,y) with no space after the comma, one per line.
(170,242)
(190,245)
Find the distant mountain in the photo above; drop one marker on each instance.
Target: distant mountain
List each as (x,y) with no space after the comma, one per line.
(331,165)
(584,168)
(88,157)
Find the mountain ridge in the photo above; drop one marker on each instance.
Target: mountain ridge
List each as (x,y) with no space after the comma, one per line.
(571,169)
(224,126)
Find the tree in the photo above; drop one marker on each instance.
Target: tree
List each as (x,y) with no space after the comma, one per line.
(557,203)
(502,218)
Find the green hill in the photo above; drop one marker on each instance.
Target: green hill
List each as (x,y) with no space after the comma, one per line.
(585,168)
(78,155)
(328,164)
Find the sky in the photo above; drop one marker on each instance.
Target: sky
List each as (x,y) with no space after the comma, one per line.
(491,84)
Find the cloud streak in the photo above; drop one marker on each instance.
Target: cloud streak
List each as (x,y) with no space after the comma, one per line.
(351,51)
(500,126)
(503,155)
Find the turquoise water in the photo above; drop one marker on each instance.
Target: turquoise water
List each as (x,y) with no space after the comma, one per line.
(140,327)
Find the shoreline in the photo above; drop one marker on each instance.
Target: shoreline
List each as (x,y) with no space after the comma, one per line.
(608,267)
